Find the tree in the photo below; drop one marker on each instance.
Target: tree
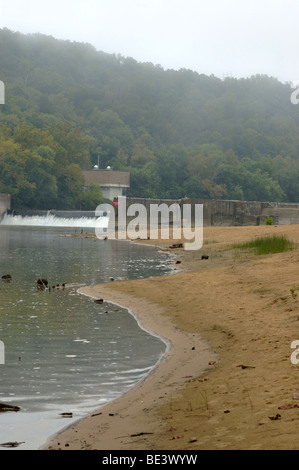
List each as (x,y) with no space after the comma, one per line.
(74,142)
(39,171)
(91,198)
(12,172)
(70,185)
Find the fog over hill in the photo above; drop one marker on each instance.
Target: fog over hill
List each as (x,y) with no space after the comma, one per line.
(179,133)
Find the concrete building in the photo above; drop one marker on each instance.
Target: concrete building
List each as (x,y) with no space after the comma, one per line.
(113,183)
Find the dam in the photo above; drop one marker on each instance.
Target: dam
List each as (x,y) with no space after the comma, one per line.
(215,213)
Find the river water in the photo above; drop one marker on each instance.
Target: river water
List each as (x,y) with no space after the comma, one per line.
(63,352)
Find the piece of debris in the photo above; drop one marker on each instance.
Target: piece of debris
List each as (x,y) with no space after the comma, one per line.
(177,245)
(193,439)
(42,284)
(11,444)
(5,407)
(289,407)
(275,418)
(6,277)
(246,367)
(141,434)
(204,257)
(66,415)
(98,301)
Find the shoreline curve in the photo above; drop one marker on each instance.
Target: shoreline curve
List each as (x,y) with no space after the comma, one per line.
(117,425)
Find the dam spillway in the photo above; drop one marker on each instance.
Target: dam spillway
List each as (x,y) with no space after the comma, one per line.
(75,219)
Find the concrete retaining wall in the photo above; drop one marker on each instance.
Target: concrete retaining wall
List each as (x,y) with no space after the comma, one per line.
(233,213)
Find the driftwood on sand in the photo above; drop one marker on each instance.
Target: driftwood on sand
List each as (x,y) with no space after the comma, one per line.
(5,407)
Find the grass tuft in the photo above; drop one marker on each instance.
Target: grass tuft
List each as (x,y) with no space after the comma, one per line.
(267,245)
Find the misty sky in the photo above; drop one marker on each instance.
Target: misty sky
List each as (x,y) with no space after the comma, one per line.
(222,37)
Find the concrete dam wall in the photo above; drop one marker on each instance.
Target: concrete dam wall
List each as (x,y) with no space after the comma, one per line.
(5,202)
(232,213)
(215,213)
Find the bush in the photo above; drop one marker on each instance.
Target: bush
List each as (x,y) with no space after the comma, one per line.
(269,221)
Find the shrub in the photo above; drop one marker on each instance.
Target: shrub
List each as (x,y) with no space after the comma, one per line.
(269,221)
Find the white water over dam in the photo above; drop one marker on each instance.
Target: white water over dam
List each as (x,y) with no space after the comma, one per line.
(58,219)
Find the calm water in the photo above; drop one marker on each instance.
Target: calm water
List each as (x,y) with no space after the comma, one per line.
(64,353)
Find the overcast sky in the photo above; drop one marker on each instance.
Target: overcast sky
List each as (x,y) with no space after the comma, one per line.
(222,37)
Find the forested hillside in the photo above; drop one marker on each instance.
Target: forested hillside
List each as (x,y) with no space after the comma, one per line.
(179,133)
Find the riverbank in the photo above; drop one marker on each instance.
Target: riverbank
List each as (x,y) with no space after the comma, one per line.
(227,381)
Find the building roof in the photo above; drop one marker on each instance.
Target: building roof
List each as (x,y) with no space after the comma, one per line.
(108,177)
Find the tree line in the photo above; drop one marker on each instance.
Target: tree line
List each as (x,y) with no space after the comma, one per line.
(179,133)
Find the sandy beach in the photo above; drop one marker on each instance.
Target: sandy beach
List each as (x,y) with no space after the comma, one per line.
(227,380)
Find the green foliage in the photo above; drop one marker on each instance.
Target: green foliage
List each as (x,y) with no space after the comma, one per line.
(91,197)
(269,221)
(178,132)
(267,245)
(293,292)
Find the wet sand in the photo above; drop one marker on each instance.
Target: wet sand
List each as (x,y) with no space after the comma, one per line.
(227,381)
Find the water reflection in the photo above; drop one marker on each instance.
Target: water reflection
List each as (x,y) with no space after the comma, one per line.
(63,352)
